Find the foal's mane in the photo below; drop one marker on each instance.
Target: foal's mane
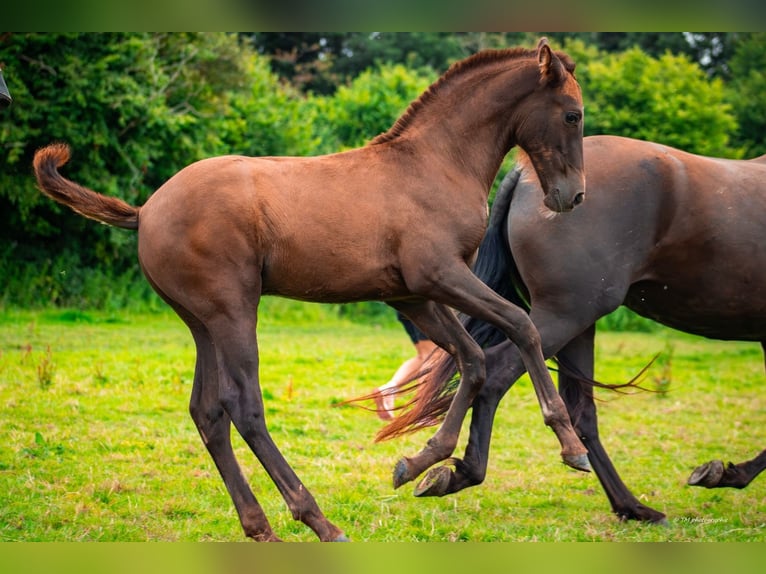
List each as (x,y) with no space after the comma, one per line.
(455,70)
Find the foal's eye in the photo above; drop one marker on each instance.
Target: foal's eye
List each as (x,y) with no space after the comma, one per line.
(572,118)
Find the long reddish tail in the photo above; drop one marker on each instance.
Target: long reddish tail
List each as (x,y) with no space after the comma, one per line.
(82,200)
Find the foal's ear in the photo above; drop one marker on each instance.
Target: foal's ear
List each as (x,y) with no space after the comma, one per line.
(551,69)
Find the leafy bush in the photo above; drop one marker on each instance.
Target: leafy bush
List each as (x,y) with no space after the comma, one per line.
(136,108)
(368,106)
(667,100)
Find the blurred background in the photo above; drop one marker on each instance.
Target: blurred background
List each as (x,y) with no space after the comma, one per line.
(138,107)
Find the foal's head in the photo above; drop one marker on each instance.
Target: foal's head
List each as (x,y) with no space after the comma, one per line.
(550,130)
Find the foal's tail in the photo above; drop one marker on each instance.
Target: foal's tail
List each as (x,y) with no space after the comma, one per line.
(86,202)
(494,266)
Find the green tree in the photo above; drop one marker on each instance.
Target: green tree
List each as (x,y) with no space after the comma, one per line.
(368,106)
(321,62)
(710,50)
(134,107)
(269,117)
(668,99)
(747,93)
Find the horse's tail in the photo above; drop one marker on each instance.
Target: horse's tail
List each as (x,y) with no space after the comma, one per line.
(86,202)
(495,267)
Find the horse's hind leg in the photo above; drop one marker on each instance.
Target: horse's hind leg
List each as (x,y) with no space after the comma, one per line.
(214,426)
(233,334)
(715,474)
(504,367)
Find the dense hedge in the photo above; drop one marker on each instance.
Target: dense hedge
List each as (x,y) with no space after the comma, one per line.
(136,108)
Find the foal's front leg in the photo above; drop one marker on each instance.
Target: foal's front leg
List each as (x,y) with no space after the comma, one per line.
(442,326)
(459,288)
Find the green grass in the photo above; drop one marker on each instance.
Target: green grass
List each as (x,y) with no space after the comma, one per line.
(96,443)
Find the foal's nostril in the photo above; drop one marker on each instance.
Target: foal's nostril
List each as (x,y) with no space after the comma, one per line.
(579,198)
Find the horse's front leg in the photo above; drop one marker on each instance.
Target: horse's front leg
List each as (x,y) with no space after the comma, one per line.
(576,360)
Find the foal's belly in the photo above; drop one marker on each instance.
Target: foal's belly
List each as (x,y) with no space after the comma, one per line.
(331,280)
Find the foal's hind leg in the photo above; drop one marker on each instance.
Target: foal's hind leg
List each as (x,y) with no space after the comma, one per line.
(233,334)
(214,427)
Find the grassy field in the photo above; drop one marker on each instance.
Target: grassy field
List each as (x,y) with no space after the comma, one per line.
(96,443)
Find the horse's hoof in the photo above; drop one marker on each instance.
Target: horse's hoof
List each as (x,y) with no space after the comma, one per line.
(435,483)
(577,461)
(707,475)
(401,473)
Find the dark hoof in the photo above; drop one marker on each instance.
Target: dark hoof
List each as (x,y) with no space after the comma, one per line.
(643,513)
(577,461)
(707,475)
(435,483)
(401,473)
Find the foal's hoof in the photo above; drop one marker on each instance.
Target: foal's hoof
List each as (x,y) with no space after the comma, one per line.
(402,473)
(435,483)
(707,475)
(577,461)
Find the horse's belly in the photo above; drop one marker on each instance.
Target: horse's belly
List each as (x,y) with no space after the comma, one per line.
(717,315)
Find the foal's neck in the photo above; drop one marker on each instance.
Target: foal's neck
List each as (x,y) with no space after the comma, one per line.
(467,117)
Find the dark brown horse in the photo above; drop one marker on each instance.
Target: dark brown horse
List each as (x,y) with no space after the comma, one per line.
(396,220)
(676,237)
